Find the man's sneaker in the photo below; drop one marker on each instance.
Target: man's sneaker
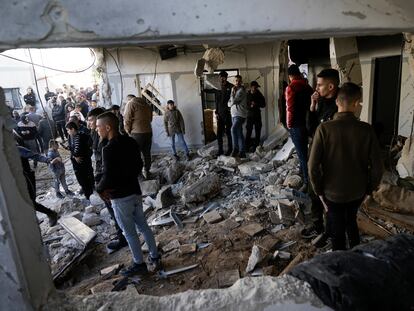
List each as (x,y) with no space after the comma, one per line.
(235,153)
(68,192)
(176,157)
(242,155)
(135,269)
(53,218)
(116,244)
(59,195)
(309,233)
(229,152)
(155,262)
(321,241)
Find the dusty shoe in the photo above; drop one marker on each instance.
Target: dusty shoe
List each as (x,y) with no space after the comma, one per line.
(155,262)
(176,157)
(135,269)
(116,245)
(53,218)
(59,195)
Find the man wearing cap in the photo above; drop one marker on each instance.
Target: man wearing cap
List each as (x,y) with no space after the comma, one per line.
(223,113)
(255,101)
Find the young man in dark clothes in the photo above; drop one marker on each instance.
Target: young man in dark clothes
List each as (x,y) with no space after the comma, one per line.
(255,101)
(323,108)
(46,131)
(30,97)
(59,116)
(119,183)
(344,166)
(298,99)
(223,114)
(81,152)
(97,146)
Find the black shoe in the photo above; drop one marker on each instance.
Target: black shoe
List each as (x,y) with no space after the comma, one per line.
(229,152)
(176,157)
(155,262)
(135,269)
(235,153)
(117,244)
(59,195)
(68,192)
(53,218)
(220,152)
(309,233)
(321,241)
(242,155)
(188,157)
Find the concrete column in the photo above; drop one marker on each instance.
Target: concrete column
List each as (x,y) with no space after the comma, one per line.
(345,57)
(25,279)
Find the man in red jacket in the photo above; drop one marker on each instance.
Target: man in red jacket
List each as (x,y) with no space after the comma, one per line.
(298,99)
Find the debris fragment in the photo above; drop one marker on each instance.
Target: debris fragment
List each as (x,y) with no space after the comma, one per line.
(78,230)
(149,187)
(228,278)
(284,153)
(110,269)
(165,198)
(165,274)
(254,259)
(212,217)
(252,229)
(174,244)
(188,248)
(202,189)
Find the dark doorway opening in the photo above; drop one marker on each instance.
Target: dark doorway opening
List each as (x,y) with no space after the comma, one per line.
(387,84)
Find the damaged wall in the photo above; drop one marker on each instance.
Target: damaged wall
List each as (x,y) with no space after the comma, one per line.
(256,61)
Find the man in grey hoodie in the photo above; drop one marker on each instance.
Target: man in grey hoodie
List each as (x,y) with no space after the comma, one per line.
(238,110)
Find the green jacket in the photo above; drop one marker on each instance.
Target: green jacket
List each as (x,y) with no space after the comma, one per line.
(174,122)
(345,161)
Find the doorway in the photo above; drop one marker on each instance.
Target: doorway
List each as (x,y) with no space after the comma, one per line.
(387,85)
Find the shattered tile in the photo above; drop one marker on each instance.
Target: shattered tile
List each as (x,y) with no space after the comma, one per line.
(188,248)
(252,229)
(284,153)
(230,224)
(274,217)
(212,217)
(228,161)
(228,278)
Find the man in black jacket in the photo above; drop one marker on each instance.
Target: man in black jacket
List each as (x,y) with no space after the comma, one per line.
(223,114)
(255,101)
(80,149)
(58,115)
(30,97)
(119,183)
(97,146)
(46,131)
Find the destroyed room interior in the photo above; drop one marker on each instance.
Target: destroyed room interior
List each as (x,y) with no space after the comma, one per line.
(290,185)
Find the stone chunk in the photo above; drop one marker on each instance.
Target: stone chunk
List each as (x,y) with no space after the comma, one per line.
(228,278)
(286,213)
(293,181)
(254,259)
(253,168)
(252,229)
(188,248)
(212,217)
(174,172)
(272,190)
(103,287)
(91,219)
(109,269)
(164,198)
(284,153)
(202,189)
(150,187)
(278,135)
(228,161)
(174,244)
(268,243)
(405,166)
(76,214)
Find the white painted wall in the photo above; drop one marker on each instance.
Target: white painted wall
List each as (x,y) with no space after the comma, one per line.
(256,61)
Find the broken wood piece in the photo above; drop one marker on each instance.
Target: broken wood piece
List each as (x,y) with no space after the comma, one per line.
(298,259)
(369,227)
(286,245)
(228,278)
(252,229)
(110,269)
(77,229)
(188,248)
(165,274)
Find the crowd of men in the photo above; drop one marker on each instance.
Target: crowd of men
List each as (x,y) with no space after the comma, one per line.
(343,166)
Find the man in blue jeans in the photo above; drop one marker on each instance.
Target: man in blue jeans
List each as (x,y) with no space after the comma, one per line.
(238,110)
(122,164)
(175,126)
(298,100)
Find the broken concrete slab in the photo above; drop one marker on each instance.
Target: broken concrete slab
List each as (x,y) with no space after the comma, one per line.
(278,135)
(273,190)
(254,259)
(228,161)
(212,217)
(228,278)
(165,197)
(254,168)
(150,187)
(188,248)
(209,151)
(286,213)
(78,230)
(286,151)
(174,171)
(91,219)
(204,188)
(252,229)
(174,244)
(230,224)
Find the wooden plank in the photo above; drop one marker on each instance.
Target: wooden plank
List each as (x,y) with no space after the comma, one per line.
(77,229)
(405,221)
(297,260)
(366,226)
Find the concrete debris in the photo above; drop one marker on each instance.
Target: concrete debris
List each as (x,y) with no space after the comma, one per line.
(254,168)
(78,230)
(284,153)
(272,190)
(212,217)
(228,278)
(286,213)
(76,214)
(174,171)
(228,161)
(268,243)
(188,248)
(150,187)
(293,181)
(281,254)
(202,189)
(164,274)
(110,269)
(405,166)
(91,219)
(252,229)
(254,259)
(257,203)
(208,151)
(90,209)
(276,138)
(164,198)
(174,244)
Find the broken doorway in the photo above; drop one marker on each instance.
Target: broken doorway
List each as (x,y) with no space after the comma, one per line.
(387,84)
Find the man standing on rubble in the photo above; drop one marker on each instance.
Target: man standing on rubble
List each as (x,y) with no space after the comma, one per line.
(323,108)
(344,166)
(255,101)
(119,183)
(223,114)
(97,146)
(298,98)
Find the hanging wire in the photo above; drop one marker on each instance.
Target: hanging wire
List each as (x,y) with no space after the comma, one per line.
(50,68)
(40,98)
(120,76)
